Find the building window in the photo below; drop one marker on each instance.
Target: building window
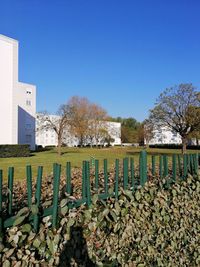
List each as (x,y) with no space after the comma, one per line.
(28,92)
(28,126)
(28,102)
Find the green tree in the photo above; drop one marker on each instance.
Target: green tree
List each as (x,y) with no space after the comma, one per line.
(178,109)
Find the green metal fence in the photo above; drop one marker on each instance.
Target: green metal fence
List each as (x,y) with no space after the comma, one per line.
(126,175)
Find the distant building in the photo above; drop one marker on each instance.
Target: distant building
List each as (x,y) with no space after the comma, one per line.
(17,100)
(163,135)
(48,137)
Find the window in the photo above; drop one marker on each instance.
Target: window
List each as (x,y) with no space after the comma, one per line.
(28,126)
(28,102)
(28,92)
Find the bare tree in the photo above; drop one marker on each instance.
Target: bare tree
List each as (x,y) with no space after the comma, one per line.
(178,109)
(86,119)
(57,123)
(79,117)
(97,122)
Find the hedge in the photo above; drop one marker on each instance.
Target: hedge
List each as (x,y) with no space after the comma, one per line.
(9,151)
(174,146)
(153,227)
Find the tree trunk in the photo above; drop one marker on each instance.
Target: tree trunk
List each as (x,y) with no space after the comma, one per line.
(59,146)
(184,143)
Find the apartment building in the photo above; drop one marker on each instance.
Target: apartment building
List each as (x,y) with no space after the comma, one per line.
(17,99)
(163,135)
(48,137)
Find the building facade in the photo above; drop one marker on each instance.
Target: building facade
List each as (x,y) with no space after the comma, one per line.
(17,100)
(48,137)
(163,135)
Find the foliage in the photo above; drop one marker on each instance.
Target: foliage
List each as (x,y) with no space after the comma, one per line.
(58,123)
(153,226)
(9,151)
(129,129)
(174,146)
(178,109)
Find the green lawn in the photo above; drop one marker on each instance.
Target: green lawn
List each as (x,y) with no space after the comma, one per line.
(75,156)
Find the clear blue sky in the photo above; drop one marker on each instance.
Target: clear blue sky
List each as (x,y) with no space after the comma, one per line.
(120,54)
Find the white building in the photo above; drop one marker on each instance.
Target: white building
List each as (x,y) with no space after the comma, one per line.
(48,137)
(17,100)
(163,135)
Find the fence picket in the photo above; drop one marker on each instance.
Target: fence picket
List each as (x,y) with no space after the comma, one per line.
(88,183)
(143,167)
(174,166)
(161,166)
(37,197)
(165,165)
(68,177)
(105,164)
(132,174)
(153,164)
(96,184)
(29,184)
(185,166)
(56,184)
(116,178)
(10,189)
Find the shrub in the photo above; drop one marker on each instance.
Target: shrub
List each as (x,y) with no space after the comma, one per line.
(174,146)
(154,226)
(9,151)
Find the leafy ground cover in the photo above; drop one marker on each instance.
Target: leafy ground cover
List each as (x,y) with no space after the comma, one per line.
(156,225)
(75,156)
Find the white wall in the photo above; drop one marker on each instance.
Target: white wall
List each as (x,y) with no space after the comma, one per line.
(26,110)
(49,137)
(164,136)
(13,96)
(7,47)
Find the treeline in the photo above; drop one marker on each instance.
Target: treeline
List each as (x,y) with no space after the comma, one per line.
(132,131)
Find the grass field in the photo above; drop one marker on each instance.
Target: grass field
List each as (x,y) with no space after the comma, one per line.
(75,156)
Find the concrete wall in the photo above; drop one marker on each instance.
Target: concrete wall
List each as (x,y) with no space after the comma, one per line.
(7,77)
(164,136)
(26,109)
(15,114)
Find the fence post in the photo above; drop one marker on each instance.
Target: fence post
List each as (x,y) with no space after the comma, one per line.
(56,184)
(37,197)
(1,201)
(160,166)
(83,180)
(185,166)
(196,163)
(88,183)
(10,187)
(174,167)
(96,184)
(116,178)
(68,177)
(105,163)
(165,165)
(29,184)
(132,174)
(125,173)
(143,167)
(153,164)
(179,166)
